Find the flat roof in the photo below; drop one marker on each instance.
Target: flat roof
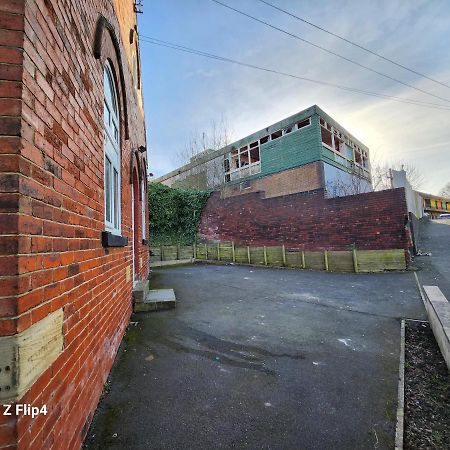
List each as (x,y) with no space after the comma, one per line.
(437,197)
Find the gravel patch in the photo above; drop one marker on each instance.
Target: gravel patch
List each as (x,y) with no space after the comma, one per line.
(427,390)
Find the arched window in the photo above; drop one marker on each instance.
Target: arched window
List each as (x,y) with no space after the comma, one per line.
(134,70)
(143,204)
(112,152)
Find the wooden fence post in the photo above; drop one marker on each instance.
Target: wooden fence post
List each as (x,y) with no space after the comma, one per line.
(265,255)
(248,254)
(161,252)
(325,259)
(355,260)
(178,252)
(233,254)
(283,250)
(206,251)
(303,260)
(218,251)
(194,250)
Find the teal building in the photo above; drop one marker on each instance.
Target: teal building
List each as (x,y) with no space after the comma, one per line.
(306,151)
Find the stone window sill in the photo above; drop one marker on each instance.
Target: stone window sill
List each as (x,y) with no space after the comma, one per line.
(113,240)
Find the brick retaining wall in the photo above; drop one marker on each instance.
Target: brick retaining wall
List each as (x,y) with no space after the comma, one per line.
(308,221)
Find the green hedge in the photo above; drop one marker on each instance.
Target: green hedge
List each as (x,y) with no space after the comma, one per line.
(174,213)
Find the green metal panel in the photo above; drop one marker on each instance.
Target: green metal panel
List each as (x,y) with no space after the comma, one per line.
(291,150)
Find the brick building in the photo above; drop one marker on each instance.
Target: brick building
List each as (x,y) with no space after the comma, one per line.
(304,152)
(72,208)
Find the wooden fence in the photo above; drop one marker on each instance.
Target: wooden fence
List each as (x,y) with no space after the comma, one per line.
(280,256)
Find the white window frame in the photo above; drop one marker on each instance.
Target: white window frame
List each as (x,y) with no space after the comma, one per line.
(111,126)
(296,128)
(360,168)
(242,171)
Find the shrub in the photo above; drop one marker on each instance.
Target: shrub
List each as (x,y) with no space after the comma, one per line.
(174,213)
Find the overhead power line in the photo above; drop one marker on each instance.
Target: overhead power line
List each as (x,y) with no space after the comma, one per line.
(353,43)
(295,36)
(182,48)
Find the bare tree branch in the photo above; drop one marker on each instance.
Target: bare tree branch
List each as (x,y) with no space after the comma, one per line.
(211,173)
(445,191)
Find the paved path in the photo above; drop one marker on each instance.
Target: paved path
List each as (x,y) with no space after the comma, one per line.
(259,358)
(435,238)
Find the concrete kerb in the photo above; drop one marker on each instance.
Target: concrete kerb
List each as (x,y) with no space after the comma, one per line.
(172,262)
(438,311)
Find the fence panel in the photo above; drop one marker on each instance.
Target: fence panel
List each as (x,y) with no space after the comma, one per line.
(241,255)
(212,252)
(257,255)
(170,252)
(226,251)
(340,261)
(294,258)
(274,256)
(337,261)
(185,252)
(380,260)
(314,260)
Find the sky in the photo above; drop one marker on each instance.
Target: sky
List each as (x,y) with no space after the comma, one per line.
(184,94)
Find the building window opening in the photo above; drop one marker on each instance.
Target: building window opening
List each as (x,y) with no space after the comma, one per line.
(243,163)
(276,134)
(112,152)
(326,137)
(254,155)
(304,123)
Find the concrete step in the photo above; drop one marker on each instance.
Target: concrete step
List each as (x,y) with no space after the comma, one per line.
(156,300)
(140,291)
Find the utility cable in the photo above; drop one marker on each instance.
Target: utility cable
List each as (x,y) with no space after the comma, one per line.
(159,42)
(295,36)
(353,43)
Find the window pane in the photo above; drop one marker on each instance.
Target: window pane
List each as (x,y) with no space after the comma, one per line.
(254,155)
(256,168)
(305,123)
(326,136)
(234,162)
(116,199)
(107,115)
(110,92)
(108,189)
(276,134)
(244,159)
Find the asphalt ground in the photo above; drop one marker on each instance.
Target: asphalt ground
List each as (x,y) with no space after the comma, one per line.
(260,358)
(435,269)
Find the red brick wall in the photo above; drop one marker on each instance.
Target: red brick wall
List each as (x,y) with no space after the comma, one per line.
(308,221)
(52,205)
